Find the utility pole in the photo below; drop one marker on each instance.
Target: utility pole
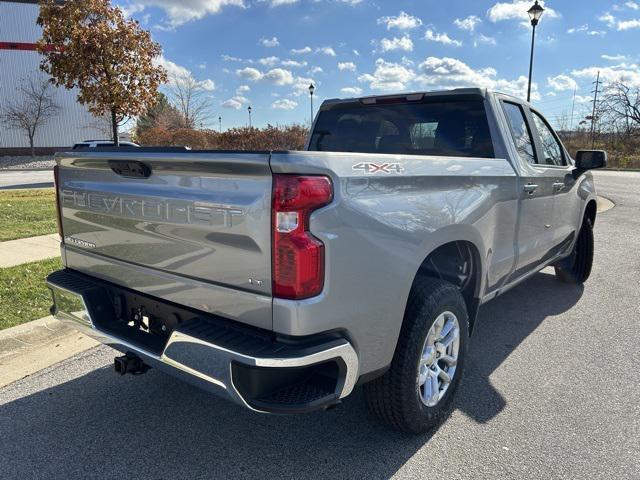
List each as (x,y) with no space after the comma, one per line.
(573,107)
(593,114)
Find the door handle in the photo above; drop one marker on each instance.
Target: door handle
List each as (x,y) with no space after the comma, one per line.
(530,188)
(558,186)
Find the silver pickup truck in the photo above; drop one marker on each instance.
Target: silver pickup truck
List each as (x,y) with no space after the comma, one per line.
(284,280)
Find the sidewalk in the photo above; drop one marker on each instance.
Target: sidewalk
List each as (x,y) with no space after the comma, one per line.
(26,250)
(28,348)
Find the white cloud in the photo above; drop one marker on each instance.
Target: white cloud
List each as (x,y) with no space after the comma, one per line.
(395,43)
(484,39)
(301,85)
(581,28)
(179,13)
(326,51)
(441,38)
(269,61)
(628,24)
(353,3)
(279,3)
(349,66)
(614,58)
(351,90)
(178,73)
(585,28)
(516,10)
(279,76)
(249,73)
(443,73)
(632,5)
(625,73)
(229,58)
(469,24)
(388,76)
(403,21)
(609,19)
(235,102)
(293,63)
(449,72)
(269,42)
(561,83)
(407,62)
(300,51)
(356,53)
(315,70)
(243,89)
(131,9)
(284,104)
(207,84)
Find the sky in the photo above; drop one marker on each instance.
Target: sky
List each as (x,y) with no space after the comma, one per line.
(265,53)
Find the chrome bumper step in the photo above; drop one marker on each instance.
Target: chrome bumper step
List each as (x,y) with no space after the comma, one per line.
(253,370)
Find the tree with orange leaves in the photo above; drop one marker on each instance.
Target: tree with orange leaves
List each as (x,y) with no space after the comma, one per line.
(89,44)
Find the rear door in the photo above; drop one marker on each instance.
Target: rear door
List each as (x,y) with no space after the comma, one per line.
(535,236)
(555,163)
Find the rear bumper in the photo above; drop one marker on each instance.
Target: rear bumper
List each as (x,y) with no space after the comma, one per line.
(262,374)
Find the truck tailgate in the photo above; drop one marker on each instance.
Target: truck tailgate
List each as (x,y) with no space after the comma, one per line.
(196,220)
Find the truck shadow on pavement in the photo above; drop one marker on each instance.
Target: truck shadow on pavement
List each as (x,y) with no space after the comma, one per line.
(104,426)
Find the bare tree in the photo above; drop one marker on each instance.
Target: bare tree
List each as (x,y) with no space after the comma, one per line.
(104,124)
(621,105)
(33,107)
(190,98)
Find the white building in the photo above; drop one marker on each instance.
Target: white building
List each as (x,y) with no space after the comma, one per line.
(19,62)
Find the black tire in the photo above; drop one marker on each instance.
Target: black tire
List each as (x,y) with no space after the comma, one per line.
(576,268)
(394,397)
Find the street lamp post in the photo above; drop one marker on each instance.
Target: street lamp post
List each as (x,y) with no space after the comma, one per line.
(220,124)
(535,12)
(249,110)
(311,90)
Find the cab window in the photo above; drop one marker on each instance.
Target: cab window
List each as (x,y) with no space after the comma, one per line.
(551,148)
(519,131)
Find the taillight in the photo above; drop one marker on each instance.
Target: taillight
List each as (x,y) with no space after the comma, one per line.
(56,185)
(298,256)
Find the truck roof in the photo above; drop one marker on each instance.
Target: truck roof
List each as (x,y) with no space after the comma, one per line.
(412,96)
(481,92)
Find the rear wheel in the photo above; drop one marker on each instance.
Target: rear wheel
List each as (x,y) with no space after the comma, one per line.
(576,268)
(416,393)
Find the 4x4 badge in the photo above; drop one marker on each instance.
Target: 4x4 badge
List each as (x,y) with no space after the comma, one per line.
(369,168)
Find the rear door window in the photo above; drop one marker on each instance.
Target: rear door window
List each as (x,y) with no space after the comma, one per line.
(445,128)
(550,145)
(519,131)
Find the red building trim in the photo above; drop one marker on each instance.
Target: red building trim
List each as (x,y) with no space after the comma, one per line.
(29,47)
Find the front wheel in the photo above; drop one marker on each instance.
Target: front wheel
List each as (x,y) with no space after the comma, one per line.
(416,393)
(576,268)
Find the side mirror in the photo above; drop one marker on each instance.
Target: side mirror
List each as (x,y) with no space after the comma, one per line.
(590,159)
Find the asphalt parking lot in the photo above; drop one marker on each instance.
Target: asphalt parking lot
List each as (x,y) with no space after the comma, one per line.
(552,390)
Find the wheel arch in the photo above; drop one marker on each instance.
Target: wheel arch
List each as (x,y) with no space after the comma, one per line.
(459,262)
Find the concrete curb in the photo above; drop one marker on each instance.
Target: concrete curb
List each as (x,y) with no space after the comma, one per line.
(28,348)
(41,169)
(604,204)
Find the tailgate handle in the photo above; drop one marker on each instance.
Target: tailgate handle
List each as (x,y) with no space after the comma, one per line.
(130,168)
